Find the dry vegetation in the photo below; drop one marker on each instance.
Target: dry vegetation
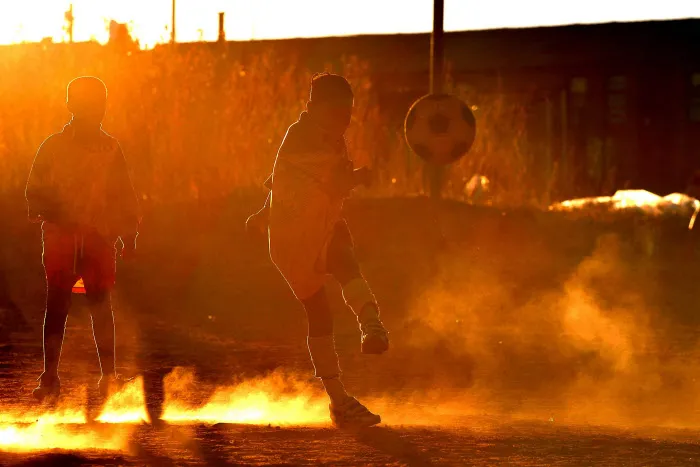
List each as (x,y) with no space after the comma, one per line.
(198,124)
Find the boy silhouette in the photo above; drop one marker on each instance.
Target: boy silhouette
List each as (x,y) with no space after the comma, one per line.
(308,238)
(80,191)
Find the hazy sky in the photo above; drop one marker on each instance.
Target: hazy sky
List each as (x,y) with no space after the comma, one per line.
(31,20)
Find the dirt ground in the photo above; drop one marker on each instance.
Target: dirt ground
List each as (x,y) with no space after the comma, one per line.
(539,339)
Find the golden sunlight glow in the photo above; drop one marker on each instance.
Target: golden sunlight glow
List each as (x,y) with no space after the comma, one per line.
(275,399)
(41,436)
(150,21)
(91,21)
(631,199)
(66,415)
(62,428)
(279,399)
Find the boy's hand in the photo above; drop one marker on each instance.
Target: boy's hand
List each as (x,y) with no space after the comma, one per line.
(53,215)
(256,225)
(362,176)
(129,248)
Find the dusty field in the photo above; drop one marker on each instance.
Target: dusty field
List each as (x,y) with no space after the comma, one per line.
(518,338)
(449,439)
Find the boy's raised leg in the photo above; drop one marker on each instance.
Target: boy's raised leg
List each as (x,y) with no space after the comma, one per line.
(358,296)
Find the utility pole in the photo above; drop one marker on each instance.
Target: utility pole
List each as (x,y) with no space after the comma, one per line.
(70,19)
(435,172)
(436,47)
(222,31)
(172,31)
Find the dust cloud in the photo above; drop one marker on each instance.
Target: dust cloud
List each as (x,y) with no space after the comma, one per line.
(593,348)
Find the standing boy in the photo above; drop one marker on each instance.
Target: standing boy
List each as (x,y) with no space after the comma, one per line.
(79,189)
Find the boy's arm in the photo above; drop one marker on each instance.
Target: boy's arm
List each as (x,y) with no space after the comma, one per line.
(362,176)
(256,224)
(268,183)
(127,211)
(40,203)
(347,179)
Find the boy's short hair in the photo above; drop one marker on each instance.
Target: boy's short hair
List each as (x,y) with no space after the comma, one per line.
(328,87)
(86,91)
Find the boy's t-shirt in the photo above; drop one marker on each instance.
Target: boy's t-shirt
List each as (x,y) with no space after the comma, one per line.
(309,184)
(83,184)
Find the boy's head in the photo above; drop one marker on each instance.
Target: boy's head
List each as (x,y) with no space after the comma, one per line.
(86,99)
(331,101)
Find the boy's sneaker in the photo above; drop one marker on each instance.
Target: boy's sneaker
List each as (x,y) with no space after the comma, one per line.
(351,414)
(47,390)
(111,384)
(375,338)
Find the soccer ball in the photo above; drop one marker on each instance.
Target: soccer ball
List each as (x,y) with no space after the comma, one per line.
(440,128)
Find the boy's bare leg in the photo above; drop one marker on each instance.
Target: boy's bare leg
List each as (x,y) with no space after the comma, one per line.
(58,301)
(99,269)
(322,345)
(103,330)
(58,261)
(345,410)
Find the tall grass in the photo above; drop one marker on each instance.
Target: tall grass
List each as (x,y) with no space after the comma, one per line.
(198,124)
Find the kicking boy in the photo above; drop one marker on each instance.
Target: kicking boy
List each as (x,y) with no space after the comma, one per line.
(79,189)
(308,238)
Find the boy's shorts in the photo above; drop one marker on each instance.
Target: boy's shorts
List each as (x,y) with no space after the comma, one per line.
(70,255)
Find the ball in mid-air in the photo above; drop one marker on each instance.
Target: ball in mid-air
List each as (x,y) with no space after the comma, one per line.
(440,128)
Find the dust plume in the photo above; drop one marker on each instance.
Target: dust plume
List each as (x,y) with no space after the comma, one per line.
(127,405)
(590,346)
(42,436)
(278,398)
(64,427)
